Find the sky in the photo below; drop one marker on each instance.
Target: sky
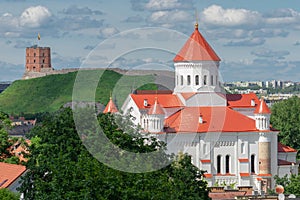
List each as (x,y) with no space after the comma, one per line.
(256,40)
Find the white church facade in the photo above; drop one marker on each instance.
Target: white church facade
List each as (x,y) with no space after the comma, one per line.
(227,135)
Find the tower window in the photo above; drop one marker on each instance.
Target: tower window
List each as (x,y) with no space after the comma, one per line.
(204,80)
(34,54)
(216,80)
(42,66)
(227,164)
(243,148)
(33,61)
(197,79)
(218,164)
(211,80)
(43,54)
(181,80)
(43,60)
(188,80)
(252,163)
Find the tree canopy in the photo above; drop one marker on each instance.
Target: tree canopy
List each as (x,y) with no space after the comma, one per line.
(286,118)
(291,184)
(60,167)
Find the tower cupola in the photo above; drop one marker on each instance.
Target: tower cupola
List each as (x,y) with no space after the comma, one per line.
(196,65)
(262,115)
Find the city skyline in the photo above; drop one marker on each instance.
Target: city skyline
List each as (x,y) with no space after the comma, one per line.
(255,41)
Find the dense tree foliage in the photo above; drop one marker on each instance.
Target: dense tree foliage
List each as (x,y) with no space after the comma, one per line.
(5,194)
(291,185)
(6,142)
(286,118)
(60,167)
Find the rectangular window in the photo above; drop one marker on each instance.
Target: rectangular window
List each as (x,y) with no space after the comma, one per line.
(211,80)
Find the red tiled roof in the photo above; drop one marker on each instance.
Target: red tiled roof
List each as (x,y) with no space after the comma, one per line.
(262,108)
(264,175)
(110,107)
(244,174)
(9,173)
(165,100)
(205,161)
(187,95)
(243,159)
(215,119)
(284,162)
(241,100)
(196,48)
(206,175)
(285,149)
(226,195)
(156,109)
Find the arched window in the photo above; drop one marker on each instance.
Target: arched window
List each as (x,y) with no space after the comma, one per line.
(243,148)
(34,54)
(204,80)
(181,80)
(211,80)
(227,164)
(253,164)
(218,164)
(188,80)
(197,79)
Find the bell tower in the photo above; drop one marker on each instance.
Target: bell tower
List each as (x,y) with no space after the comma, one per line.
(196,66)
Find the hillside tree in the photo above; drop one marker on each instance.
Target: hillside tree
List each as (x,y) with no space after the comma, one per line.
(60,167)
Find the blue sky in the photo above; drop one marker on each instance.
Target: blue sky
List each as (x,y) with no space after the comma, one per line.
(256,40)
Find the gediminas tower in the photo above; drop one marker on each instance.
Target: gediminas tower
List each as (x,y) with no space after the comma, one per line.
(38,59)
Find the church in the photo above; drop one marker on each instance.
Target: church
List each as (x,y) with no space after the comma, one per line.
(227,135)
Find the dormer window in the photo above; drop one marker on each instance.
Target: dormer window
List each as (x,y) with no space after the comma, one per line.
(145,102)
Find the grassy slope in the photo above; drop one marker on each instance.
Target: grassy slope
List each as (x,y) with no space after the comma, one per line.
(51,92)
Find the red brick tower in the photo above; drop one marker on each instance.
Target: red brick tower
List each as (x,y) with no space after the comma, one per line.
(38,59)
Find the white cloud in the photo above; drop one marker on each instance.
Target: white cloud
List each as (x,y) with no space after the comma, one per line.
(107,32)
(218,16)
(162,17)
(168,4)
(34,16)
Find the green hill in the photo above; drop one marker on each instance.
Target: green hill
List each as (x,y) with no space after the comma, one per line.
(49,93)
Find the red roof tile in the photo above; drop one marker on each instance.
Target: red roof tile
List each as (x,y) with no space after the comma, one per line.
(215,119)
(205,161)
(284,162)
(243,159)
(226,195)
(262,108)
(165,100)
(241,100)
(207,175)
(110,107)
(156,109)
(9,173)
(244,174)
(285,149)
(187,95)
(196,48)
